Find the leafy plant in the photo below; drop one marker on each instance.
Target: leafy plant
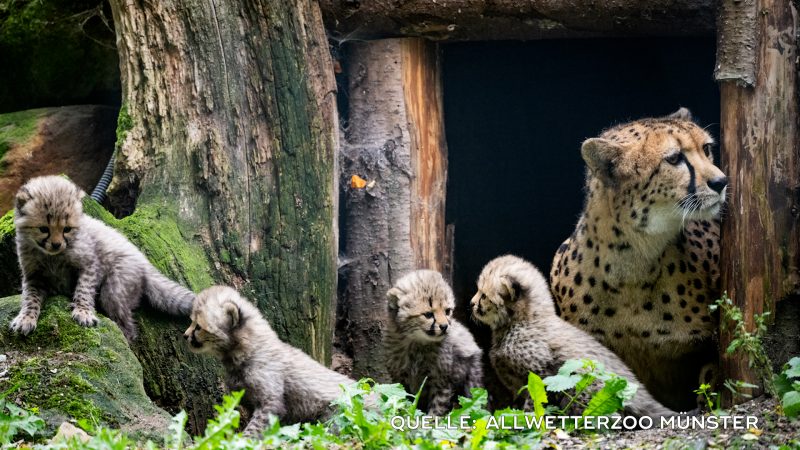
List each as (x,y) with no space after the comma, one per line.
(14,420)
(366,416)
(712,398)
(577,380)
(787,386)
(749,342)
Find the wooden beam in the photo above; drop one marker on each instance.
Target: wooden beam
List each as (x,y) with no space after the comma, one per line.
(395,141)
(517,19)
(761,231)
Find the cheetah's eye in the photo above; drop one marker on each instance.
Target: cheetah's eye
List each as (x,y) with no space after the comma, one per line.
(707,149)
(674,158)
(44,229)
(448,311)
(67,229)
(428,315)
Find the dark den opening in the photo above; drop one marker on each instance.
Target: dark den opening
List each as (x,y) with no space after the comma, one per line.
(516,114)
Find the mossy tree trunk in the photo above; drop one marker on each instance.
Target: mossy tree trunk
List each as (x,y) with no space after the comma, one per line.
(395,140)
(756,67)
(229,127)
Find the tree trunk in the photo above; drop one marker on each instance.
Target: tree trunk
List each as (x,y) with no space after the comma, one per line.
(229,127)
(517,19)
(757,52)
(395,141)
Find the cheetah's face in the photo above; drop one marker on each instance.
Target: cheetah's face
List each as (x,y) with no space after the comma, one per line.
(213,316)
(659,172)
(421,305)
(497,300)
(48,212)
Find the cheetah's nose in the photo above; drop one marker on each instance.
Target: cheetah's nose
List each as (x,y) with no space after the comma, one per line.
(718,184)
(55,245)
(443,327)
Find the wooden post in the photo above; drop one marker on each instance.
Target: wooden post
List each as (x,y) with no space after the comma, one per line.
(229,124)
(394,140)
(756,68)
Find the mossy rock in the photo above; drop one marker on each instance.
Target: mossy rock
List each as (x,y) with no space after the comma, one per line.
(9,266)
(69,372)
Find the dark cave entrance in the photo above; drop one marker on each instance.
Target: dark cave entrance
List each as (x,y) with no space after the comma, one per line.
(515,116)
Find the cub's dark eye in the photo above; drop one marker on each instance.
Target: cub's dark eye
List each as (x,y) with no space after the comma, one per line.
(44,229)
(67,229)
(428,315)
(448,311)
(674,158)
(707,149)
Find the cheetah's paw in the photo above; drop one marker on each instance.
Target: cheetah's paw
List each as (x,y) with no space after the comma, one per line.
(84,317)
(23,324)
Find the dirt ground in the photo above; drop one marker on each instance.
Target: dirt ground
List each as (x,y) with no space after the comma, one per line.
(773,431)
(73,140)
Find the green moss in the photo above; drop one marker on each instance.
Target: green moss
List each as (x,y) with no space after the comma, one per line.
(9,267)
(71,372)
(124,124)
(17,127)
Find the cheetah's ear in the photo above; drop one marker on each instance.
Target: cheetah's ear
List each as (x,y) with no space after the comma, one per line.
(601,156)
(22,197)
(393,295)
(512,289)
(682,114)
(232,313)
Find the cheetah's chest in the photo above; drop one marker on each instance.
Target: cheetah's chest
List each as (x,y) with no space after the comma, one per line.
(665,311)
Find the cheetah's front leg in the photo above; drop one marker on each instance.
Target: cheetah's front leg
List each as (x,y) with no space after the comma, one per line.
(32,298)
(83,298)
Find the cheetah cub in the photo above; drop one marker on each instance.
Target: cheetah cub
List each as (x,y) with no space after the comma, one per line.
(63,251)
(277,378)
(423,340)
(527,336)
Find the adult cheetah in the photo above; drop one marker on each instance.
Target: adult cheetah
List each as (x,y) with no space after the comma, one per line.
(641,267)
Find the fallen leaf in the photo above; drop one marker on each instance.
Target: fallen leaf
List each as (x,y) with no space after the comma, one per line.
(356,182)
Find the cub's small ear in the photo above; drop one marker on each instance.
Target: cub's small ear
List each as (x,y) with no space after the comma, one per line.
(601,156)
(81,194)
(22,197)
(232,312)
(682,114)
(512,289)
(393,295)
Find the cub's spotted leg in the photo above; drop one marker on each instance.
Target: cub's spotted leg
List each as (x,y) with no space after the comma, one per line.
(269,398)
(83,298)
(440,400)
(32,298)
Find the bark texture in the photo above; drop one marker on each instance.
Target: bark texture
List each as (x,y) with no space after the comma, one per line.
(395,141)
(761,233)
(517,19)
(229,125)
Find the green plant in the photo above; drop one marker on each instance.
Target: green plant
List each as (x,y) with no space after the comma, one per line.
(14,420)
(787,386)
(574,380)
(712,398)
(749,342)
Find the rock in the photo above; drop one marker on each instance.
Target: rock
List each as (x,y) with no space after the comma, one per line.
(70,372)
(73,140)
(9,267)
(67,431)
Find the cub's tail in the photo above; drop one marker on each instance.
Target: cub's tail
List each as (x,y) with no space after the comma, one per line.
(167,295)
